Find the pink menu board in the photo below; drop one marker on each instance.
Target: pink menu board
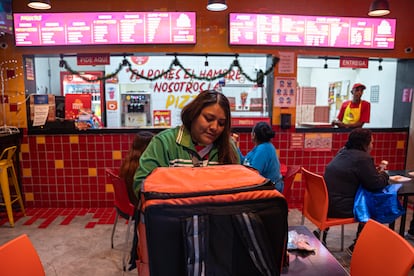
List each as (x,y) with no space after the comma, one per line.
(318,31)
(49,29)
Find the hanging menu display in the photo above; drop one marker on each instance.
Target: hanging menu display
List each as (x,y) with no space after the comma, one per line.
(319,31)
(49,29)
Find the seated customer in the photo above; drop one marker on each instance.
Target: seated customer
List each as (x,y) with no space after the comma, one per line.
(131,162)
(127,170)
(203,139)
(263,156)
(352,166)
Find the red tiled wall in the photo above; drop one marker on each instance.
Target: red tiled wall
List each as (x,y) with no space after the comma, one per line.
(79,179)
(76,184)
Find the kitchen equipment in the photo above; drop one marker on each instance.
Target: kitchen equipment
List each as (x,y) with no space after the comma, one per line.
(136,109)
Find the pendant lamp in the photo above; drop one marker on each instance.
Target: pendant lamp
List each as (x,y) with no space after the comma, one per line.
(216,5)
(379,8)
(39,4)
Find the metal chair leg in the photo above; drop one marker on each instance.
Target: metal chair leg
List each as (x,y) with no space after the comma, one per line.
(15,184)
(113,229)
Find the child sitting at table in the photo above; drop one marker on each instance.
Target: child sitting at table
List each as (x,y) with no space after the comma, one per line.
(127,171)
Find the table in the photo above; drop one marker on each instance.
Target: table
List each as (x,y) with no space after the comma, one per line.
(320,263)
(406,190)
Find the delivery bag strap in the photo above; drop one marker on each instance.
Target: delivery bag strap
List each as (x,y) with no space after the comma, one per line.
(253,234)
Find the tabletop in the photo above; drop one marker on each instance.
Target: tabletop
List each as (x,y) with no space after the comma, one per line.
(321,262)
(407,187)
(406,190)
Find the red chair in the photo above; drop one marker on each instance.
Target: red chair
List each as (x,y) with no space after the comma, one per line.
(124,208)
(288,179)
(315,205)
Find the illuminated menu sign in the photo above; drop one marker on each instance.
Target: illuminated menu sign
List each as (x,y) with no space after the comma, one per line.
(49,29)
(318,31)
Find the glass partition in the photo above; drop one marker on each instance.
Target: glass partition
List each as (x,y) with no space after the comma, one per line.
(323,86)
(147,91)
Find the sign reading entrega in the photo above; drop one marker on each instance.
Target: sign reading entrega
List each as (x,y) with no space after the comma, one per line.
(93,59)
(353,62)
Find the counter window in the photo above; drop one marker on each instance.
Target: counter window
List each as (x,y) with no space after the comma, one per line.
(147,91)
(323,86)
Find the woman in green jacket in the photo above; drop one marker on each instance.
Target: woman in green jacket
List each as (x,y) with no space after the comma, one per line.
(202,140)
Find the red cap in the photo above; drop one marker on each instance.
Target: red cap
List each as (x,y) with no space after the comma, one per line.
(356,85)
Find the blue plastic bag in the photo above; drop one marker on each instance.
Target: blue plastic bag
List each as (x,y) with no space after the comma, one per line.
(383,206)
(361,212)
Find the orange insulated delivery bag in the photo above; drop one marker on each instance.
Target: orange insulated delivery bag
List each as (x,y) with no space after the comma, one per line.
(218,220)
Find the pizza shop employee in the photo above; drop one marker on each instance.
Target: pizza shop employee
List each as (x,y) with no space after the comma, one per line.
(356,112)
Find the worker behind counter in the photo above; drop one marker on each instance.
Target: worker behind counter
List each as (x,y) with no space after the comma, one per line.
(356,112)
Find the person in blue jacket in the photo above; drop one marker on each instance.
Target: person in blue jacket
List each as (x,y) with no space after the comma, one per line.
(263,156)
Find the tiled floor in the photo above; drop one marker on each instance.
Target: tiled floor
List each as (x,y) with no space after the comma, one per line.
(73,242)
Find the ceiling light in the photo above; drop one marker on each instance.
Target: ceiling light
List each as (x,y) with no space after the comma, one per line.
(379,8)
(39,4)
(217,5)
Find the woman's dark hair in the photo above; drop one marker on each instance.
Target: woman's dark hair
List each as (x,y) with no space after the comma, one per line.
(131,161)
(359,139)
(263,132)
(191,111)
(141,141)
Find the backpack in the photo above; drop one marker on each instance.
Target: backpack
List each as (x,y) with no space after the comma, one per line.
(218,220)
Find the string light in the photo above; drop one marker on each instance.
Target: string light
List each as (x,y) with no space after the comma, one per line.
(174,62)
(9,70)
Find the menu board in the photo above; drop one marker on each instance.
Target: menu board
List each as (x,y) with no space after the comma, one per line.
(49,29)
(318,31)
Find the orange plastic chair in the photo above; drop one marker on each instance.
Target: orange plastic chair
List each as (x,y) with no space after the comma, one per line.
(288,179)
(6,170)
(381,251)
(18,257)
(315,205)
(124,208)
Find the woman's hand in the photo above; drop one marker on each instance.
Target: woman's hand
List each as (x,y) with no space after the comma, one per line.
(235,138)
(382,166)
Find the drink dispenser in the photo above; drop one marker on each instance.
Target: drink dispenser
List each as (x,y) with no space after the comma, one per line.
(136,109)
